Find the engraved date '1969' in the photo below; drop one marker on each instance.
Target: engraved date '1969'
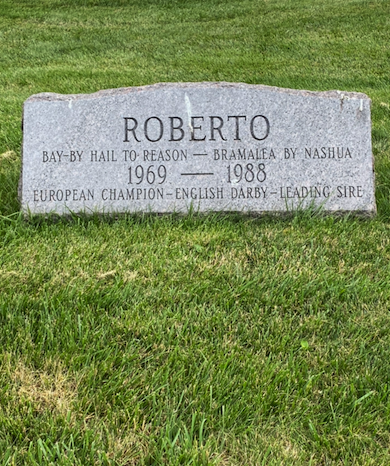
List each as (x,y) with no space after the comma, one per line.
(151,174)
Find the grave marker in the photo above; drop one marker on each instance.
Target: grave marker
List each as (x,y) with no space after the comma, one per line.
(212,146)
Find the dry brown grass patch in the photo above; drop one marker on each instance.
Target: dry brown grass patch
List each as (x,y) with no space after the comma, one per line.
(127,447)
(51,389)
(9,155)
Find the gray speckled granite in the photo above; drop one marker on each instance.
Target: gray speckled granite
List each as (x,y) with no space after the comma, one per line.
(215,146)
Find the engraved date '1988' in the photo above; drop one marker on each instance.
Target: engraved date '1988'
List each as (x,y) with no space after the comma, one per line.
(248,173)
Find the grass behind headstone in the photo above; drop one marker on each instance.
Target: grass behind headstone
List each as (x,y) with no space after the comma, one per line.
(219,339)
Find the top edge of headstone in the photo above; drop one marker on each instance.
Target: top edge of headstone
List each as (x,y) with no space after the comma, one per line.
(51,96)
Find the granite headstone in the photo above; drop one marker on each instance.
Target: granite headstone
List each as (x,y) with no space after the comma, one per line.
(209,146)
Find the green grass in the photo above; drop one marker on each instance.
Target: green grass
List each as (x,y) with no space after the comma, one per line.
(193,340)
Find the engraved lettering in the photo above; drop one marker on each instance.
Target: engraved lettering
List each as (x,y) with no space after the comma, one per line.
(254,127)
(195,128)
(237,120)
(214,128)
(178,128)
(130,129)
(159,132)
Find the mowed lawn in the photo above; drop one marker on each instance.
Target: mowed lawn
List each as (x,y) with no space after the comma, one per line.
(199,339)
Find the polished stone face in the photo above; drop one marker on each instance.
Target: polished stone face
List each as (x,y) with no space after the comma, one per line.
(206,146)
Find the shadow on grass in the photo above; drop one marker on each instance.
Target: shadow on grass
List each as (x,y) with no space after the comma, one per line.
(192,219)
(9,178)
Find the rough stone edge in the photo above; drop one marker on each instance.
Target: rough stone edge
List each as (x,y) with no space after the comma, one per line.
(51,96)
(20,182)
